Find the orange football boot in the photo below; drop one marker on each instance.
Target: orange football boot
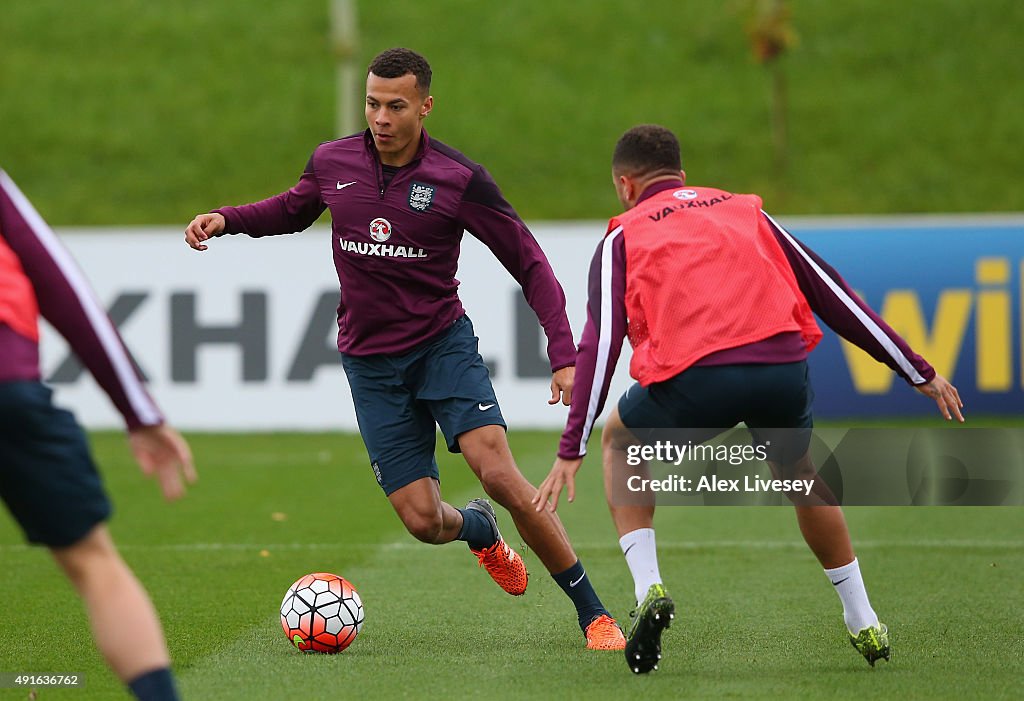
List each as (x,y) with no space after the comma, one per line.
(503,563)
(604,633)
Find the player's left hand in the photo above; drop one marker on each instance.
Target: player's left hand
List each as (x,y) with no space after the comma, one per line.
(563,474)
(561,385)
(945,395)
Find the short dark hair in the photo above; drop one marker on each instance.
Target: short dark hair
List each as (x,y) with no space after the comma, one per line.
(394,63)
(647,149)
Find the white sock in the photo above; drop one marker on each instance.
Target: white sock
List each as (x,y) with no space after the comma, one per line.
(642,557)
(848,583)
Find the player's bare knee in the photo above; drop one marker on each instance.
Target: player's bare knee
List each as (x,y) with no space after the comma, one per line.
(73,563)
(484,445)
(803,468)
(615,435)
(90,556)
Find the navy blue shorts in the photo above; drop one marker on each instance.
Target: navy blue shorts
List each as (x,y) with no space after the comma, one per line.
(401,399)
(47,476)
(703,401)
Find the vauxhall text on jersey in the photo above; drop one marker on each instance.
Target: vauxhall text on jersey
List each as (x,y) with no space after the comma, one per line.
(680,274)
(675,274)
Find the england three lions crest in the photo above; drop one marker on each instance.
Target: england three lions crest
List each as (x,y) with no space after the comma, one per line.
(421,196)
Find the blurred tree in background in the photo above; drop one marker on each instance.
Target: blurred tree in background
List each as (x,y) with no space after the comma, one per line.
(771,33)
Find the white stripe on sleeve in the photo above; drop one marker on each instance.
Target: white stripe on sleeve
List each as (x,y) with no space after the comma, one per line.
(876,331)
(603,338)
(139,400)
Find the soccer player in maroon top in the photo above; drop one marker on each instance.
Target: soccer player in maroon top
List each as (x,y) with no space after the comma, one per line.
(399,203)
(716,298)
(47,476)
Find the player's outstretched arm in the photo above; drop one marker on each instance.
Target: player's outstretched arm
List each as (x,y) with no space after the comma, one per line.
(945,395)
(161,452)
(202,228)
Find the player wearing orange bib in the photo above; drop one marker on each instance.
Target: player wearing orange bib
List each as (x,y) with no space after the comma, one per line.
(48,480)
(717,300)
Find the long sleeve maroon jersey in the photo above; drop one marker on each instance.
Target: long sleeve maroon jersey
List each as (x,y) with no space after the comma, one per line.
(396,245)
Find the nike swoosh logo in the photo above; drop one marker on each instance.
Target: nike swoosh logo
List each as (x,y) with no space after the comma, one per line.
(573,584)
(484,407)
(628,549)
(836,584)
(342,186)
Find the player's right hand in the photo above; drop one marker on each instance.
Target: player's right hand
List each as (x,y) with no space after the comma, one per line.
(563,474)
(945,395)
(162,453)
(203,227)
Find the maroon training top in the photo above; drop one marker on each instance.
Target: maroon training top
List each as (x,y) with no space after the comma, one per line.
(396,245)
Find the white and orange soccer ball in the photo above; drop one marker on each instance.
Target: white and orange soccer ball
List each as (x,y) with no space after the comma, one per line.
(321,613)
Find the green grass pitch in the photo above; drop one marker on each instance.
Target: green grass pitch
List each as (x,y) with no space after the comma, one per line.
(757,618)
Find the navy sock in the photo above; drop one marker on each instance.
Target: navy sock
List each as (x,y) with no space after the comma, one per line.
(476,530)
(157,685)
(576,585)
